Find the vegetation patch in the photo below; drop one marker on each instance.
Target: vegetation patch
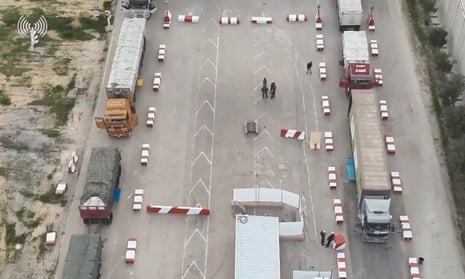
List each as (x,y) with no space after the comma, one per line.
(8,142)
(51,133)
(4,98)
(10,236)
(446,88)
(26,217)
(59,103)
(51,198)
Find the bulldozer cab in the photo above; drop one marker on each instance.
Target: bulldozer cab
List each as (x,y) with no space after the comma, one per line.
(100,123)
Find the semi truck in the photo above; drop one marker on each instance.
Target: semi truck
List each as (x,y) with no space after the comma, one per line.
(371,172)
(102,178)
(120,113)
(358,73)
(139,8)
(84,257)
(350,14)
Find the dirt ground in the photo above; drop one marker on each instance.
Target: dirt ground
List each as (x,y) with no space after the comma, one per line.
(32,162)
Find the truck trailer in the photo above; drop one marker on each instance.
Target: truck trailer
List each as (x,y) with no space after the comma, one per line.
(84,257)
(371,172)
(102,178)
(120,113)
(350,14)
(139,8)
(358,73)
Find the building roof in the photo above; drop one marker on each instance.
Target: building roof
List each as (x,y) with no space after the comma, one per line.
(257,247)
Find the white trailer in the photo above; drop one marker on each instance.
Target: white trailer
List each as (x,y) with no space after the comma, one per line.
(350,14)
(355,47)
(127,59)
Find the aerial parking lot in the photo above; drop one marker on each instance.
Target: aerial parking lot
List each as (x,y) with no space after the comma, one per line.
(210,85)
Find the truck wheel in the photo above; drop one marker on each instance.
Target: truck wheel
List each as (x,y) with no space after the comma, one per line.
(86,221)
(109,220)
(119,175)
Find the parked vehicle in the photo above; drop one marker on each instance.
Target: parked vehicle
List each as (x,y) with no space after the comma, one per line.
(102,178)
(350,14)
(371,172)
(120,114)
(139,8)
(84,257)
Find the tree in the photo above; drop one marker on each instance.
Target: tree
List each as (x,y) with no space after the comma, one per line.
(454,121)
(429,6)
(437,37)
(456,158)
(452,89)
(441,60)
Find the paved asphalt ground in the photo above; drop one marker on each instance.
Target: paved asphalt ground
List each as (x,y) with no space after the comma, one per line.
(210,85)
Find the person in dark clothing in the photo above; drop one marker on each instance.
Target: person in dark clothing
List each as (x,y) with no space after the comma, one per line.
(309,67)
(273,89)
(329,239)
(323,237)
(265,92)
(264,82)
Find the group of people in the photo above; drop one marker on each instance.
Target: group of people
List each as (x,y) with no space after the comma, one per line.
(265,89)
(273,84)
(326,241)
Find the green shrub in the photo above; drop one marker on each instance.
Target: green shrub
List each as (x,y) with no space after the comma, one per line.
(437,37)
(56,98)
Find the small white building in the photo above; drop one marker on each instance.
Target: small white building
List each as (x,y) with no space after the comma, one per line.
(257,247)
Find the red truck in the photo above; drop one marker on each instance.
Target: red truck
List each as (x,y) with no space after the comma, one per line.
(102,178)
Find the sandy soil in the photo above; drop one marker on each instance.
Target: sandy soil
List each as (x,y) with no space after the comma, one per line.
(43,160)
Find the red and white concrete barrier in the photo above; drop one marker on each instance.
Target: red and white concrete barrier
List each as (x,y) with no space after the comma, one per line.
(332,178)
(329,141)
(144,155)
(320,42)
(383,110)
(325,105)
(288,133)
(414,267)
(341,265)
(131,248)
(161,53)
(390,144)
(157,80)
(323,71)
(407,233)
(318,20)
(162,209)
(188,18)
(379,76)
(151,113)
(229,20)
(167,19)
(338,213)
(371,21)
(396,182)
(262,20)
(374,48)
(296,18)
(138,199)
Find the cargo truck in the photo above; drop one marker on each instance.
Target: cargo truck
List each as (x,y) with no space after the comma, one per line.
(84,257)
(120,113)
(139,8)
(350,14)
(371,172)
(358,73)
(102,178)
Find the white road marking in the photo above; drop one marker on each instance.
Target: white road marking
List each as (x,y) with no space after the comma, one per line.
(207,80)
(203,127)
(199,181)
(208,61)
(196,231)
(202,154)
(264,132)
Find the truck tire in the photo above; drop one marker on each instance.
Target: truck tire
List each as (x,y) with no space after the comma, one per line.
(119,175)
(86,221)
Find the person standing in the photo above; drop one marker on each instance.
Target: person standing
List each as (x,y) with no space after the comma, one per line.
(265,92)
(323,237)
(329,239)
(264,82)
(309,67)
(273,89)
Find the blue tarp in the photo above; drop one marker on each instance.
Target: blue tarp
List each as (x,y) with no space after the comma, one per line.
(350,169)
(116,194)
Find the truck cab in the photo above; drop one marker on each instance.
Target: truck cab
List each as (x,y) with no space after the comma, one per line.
(375,220)
(139,8)
(120,118)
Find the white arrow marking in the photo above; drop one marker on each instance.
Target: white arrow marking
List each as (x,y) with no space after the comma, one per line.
(192,235)
(266,182)
(201,154)
(265,149)
(265,132)
(263,53)
(203,127)
(207,80)
(197,183)
(205,63)
(270,172)
(210,41)
(203,103)
(193,263)
(214,21)
(263,67)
